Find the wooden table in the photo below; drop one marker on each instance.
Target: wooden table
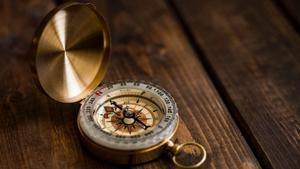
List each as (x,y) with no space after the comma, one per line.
(232,66)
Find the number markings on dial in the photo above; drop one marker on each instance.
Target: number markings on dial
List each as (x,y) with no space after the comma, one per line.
(140,98)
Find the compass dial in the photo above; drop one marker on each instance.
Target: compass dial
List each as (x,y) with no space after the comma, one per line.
(128,115)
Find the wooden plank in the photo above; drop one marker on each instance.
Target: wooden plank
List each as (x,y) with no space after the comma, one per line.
(253,54)
(148,44)
(290,9)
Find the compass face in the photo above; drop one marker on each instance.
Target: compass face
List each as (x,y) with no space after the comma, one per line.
(128,115)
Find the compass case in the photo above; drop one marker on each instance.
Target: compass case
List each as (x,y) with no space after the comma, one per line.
(72,48)
(72,51)
(128,157)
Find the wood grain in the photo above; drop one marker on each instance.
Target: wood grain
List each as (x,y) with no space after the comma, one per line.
(253,55)
(35,131)
(291,9)
(148,44)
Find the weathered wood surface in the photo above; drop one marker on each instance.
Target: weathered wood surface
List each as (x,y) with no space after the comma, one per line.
(291,10)
(253,55)
(35,131)
(148,44)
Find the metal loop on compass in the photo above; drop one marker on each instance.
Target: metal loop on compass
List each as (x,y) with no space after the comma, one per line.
(179,149)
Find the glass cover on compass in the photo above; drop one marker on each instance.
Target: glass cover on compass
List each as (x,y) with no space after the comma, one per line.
(129,115)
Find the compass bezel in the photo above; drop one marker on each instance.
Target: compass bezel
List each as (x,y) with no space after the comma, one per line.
(164,129)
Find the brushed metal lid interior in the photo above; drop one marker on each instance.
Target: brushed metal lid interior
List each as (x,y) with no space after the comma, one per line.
(72,51)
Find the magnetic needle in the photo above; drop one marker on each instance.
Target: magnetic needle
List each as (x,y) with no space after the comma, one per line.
(132,120)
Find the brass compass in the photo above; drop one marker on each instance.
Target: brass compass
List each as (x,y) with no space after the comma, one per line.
(132,120)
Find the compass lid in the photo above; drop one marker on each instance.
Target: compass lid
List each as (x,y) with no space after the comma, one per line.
(72,51)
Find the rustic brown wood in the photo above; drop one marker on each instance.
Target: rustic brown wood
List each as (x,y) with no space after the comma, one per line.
(253,54)
(291,9)
(35,131)
(148,44)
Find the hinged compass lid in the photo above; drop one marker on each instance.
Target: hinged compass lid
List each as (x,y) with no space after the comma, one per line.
(72,51)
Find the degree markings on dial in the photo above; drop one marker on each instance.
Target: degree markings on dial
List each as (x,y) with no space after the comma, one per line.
(152,115)
(106,127)
(138,102)
(145,105)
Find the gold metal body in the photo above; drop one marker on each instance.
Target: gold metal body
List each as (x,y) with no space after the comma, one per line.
(127,157)
(176,149)
(72,51)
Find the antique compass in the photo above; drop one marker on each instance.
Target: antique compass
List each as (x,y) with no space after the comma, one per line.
(125,122)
